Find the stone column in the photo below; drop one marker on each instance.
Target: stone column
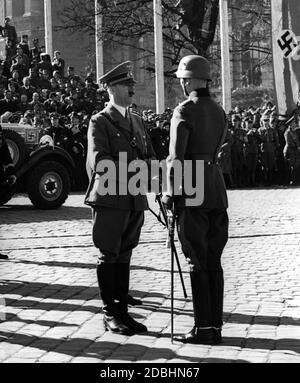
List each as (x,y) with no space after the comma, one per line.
(2,12)
(9,8)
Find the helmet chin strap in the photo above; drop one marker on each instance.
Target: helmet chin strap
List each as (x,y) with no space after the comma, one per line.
(186,93)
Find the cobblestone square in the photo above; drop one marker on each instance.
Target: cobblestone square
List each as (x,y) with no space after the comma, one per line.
(50,310)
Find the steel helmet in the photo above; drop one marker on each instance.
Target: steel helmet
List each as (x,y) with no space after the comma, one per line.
(194,66)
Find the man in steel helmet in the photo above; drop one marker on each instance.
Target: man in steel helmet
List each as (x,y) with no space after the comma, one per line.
(198,130)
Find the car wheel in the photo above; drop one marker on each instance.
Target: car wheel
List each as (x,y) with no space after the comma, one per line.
(48,185)
(17,147)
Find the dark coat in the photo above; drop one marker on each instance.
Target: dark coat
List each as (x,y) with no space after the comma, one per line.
(105,142)
(198,130)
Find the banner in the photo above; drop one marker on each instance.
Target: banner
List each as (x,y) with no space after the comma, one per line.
(286,53)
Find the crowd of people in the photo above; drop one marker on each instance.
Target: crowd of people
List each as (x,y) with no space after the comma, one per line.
(44,93)
(260,148)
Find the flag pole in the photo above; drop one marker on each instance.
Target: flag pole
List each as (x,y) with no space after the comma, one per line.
(99,41)
(225,56)
(159,58)
(48,27)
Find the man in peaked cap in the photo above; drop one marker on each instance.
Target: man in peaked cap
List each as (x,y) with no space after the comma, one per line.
(118,218)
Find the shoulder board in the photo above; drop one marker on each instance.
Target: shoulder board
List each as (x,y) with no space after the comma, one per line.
(136,113)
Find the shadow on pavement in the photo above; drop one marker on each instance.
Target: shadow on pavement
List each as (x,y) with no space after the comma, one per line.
(102,350)
(46,323)
(86,293)
(79,265)
(29,214)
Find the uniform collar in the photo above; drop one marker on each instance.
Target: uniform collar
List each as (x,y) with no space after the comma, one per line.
(120,109)
(201,92)
(116,115)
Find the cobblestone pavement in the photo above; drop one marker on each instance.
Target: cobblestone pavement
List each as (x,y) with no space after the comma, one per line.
(50,305)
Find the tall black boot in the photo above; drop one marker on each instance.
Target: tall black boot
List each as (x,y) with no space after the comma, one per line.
(201,298)
(216,281)
(122,284)
(106,275)
(202,332)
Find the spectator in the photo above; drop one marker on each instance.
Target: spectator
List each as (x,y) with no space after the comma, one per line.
(237,150)
(45,63)
(58,64)
(24,45)
(44,95)
(25,58)
(291,150)
(69,106)
(13,86)
(33,78)
(27,89)
(54,85)
(58,133)
(7,104)
(61,85)
(57,76)
(90,78)
(9,31)
(90,91)
(251,151)
(44,82)
(15,79)
(268,143)
(10,51)
(51,105)
(23,106)
(3,81)
(35,51)
(35,102)
(19,66)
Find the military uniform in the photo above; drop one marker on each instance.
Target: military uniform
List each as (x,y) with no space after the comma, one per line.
(268,143)
(198,130)
(251,154)
(291,153)
(117,219)
(225,159)
(237,152)
(77,147)
(59,134)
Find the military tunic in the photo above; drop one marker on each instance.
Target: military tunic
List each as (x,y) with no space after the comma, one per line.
(117,218)
(291,152)
(198,130)
(268,143)
(251,149)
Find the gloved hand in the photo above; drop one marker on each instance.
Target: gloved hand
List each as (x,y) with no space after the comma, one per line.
(168,201)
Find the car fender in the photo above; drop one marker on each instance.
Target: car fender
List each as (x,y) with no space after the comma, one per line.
(45,153)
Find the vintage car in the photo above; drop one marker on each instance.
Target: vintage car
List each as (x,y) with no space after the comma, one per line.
(44,171)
